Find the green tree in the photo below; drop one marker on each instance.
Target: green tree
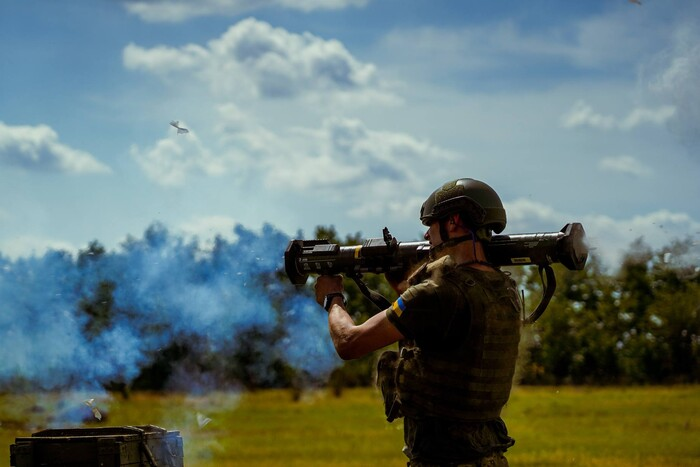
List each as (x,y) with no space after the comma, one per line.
(572,341)
(643,357)
(674,315)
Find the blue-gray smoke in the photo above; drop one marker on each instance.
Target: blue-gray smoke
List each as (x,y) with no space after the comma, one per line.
(165,291)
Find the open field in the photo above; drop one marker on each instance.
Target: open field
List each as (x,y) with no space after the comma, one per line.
(653,426)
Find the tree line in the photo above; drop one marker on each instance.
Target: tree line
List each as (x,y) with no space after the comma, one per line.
(637,325)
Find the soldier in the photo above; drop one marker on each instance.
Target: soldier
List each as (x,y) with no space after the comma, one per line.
(457,321)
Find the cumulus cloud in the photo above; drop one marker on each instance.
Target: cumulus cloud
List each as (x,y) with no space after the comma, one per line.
(163,59)
(624,164)
(301,158)
(181,10)
(582,115)
(38,148)
(354,154)
(366,164)
(172,159)
(254,59)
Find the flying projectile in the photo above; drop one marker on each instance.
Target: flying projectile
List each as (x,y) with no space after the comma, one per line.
(180,130)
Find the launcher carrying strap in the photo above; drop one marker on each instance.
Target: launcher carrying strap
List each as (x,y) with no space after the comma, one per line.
(549,285)
(372,295)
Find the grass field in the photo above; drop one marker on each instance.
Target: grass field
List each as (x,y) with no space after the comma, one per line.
(652,426)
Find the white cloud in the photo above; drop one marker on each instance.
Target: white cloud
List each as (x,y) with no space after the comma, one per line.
(582,115)
(624,164)
(171,160)
(297,158)
(243,136)
(181,10)
(253,59)
(250,60)
(639,116)
(163,59)
(358,157)
(38,148)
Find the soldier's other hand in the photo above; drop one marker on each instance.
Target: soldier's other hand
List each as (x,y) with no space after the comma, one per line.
(327,284)
(398,279)
(395,279)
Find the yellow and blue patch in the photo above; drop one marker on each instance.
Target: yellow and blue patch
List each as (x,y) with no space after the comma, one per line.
(398,306)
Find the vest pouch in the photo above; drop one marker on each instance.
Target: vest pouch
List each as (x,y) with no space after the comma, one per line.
(386,382)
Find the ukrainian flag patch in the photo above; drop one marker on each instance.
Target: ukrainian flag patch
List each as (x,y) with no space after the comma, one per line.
(398,306)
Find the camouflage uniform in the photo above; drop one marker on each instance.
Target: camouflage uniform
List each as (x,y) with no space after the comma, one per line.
(454,372)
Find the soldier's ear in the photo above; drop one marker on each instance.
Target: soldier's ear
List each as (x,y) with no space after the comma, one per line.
(456,220)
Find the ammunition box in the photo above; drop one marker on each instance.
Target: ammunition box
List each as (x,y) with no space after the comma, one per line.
(147,446)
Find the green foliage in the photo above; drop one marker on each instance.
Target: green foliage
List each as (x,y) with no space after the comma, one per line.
(641,325)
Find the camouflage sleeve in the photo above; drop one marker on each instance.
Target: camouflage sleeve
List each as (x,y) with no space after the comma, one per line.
(415,312)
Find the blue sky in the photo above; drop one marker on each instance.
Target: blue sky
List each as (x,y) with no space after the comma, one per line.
(345,113)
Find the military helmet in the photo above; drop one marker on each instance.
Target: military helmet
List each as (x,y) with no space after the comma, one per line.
(477,202)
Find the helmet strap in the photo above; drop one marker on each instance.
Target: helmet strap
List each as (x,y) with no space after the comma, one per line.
(477,235)
(448,243)
(443,230)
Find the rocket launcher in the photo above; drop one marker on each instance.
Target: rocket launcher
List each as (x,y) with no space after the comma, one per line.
(386,254)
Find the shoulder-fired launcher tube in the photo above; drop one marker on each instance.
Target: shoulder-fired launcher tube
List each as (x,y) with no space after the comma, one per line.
(381,255)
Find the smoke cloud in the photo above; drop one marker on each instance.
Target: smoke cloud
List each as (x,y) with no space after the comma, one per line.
(83,322)
(674,75)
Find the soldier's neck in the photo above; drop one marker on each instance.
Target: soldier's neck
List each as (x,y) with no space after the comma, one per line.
(470,253)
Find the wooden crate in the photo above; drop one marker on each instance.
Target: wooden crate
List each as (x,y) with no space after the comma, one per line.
(148,446)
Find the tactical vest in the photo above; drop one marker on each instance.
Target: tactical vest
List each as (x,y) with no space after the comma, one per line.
(471,382)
